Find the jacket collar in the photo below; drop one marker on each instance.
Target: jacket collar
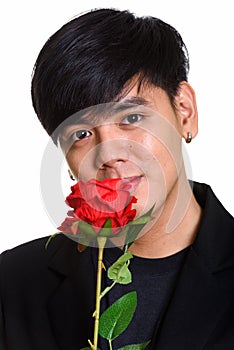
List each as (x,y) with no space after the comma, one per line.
(215,239)
(204,289)
(195,308)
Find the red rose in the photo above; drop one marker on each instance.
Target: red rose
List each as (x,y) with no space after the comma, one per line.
(96,201)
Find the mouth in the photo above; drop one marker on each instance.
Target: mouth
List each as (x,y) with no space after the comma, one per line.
(133,181)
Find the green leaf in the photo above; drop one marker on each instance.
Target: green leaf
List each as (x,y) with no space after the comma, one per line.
(106,231)
(108,223)
(135,346)
(119,271)
(115,319)
(80,238)
(86,228)
(136,226)
(142,220)
(132,234)
(121,233)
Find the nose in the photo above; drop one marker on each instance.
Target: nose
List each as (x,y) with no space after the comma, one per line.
(112,148)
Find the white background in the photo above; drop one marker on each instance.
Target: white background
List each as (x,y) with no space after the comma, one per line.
(207,29)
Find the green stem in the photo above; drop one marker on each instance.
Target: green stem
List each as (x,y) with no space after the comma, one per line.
(110,344)
(50,238)
(101,244)
(107,289)
(125,248)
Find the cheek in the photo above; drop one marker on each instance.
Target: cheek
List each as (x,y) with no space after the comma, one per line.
(163,144)
(149,155)
(153,154)
(161,170)
(82,161)
(74,159)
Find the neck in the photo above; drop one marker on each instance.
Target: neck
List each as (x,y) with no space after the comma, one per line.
(176,227)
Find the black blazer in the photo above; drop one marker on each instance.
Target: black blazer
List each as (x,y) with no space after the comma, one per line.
(46,305)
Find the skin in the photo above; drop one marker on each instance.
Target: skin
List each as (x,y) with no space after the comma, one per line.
(144,141)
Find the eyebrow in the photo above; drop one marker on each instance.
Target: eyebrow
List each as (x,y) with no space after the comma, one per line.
(126,103)
(134,99)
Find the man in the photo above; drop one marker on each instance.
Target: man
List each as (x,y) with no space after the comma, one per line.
(111,89)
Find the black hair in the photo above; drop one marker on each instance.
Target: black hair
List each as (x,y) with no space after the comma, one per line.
(91,58)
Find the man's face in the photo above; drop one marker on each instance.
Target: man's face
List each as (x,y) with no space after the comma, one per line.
(138,138)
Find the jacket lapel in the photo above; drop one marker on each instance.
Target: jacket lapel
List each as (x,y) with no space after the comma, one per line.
(205,286)
(72,301)
(194,310)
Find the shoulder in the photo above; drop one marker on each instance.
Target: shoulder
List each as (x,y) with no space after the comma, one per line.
(28,268)
(29,255)
(215,238)
(210,204)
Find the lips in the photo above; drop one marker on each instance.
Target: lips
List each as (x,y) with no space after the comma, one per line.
(133,181)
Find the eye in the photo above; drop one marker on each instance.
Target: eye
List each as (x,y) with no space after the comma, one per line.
(131,119)
(80,135)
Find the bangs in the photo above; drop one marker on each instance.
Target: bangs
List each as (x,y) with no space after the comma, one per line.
(95,58)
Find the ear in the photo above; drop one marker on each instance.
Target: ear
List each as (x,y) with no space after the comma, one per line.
(186,109)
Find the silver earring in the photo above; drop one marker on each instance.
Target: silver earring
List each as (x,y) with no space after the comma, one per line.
(71,175)
(189,137)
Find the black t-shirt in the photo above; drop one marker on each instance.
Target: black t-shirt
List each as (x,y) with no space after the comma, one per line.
(153,280)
